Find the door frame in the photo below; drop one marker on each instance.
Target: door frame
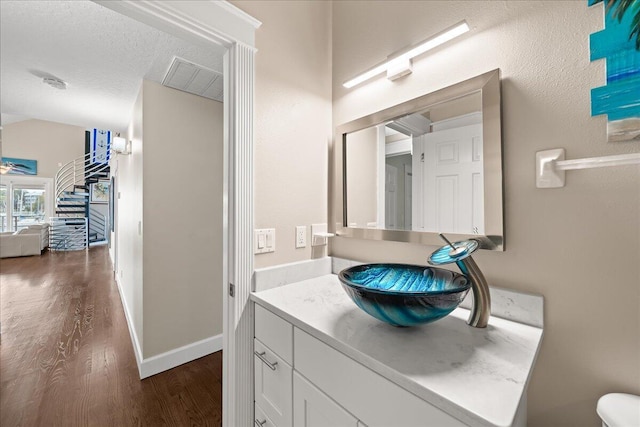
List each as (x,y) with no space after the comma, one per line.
(209,23)
(408,197)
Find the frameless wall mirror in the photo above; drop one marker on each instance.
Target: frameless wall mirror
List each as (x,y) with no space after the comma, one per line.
(427,166)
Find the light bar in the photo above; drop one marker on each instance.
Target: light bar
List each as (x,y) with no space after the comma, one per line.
(411,52)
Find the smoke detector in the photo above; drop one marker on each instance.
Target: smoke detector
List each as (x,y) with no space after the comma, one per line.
(55,82)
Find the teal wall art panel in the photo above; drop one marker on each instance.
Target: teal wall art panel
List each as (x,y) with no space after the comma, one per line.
(619,45)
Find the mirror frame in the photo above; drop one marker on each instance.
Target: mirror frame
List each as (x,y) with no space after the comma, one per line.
(488,84)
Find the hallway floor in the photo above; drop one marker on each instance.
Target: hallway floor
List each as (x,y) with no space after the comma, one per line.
(66,357)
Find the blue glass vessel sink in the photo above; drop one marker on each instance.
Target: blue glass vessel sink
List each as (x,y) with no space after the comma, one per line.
(403,294)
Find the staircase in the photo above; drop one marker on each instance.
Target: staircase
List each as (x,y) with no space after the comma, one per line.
(98,227)
(70,228)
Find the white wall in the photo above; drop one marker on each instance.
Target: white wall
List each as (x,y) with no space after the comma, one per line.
(399,162)
(169,220)
(129,187)
(292,121)
(362,177)
(182,218)
(560,243)
(49,143)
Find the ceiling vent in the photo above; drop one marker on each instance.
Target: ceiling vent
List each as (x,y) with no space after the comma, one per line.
(412,125)
(196,79)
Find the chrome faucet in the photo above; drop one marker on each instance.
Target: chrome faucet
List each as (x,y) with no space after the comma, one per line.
(460,253)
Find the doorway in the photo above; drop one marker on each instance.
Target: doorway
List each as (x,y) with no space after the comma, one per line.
(220,24)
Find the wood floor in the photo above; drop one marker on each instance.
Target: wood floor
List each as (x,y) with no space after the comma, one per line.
(66,357)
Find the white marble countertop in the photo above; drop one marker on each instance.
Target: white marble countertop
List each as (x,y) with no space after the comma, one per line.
(475,375)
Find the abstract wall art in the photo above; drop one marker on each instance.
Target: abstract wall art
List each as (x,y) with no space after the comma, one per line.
(619,45)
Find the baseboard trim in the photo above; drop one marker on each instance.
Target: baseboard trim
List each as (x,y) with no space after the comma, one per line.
(132,331)
(172,358)
(178,356)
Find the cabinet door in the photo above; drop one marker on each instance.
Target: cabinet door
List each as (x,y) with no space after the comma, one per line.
(312,408)
(272,385)
(373,399)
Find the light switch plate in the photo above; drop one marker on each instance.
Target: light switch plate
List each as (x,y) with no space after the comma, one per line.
(264,240)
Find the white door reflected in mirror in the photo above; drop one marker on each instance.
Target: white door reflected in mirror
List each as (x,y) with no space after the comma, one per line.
(431,170)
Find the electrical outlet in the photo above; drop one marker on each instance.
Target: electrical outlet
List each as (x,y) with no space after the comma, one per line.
(301,236)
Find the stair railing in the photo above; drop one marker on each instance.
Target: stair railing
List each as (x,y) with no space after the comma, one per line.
(68,234)
(98,224)
(76,172)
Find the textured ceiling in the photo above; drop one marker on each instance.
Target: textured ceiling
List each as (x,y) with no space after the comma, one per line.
(102,55)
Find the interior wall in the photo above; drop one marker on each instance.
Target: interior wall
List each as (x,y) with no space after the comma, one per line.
(51,144)
(292,121)
(362,187)
(182,220)
(400,162)
(560,243)
(129,183)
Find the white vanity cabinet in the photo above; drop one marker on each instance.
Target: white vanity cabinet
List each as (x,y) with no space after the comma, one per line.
(261,420)
(313,408)
(347,366)
(302,382)
(273,360)
(374,400)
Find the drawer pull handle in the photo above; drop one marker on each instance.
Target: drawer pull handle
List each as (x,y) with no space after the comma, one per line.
(259,423)
(272,366)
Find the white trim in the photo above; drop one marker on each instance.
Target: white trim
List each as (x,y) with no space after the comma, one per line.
(172,358)
(458,121)
(398,148)
(223,27)
(227,397)
(137,349)
(239,13)
(381,160)
(178,356)
(238,313)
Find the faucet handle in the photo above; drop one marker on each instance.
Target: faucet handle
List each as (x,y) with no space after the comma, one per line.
(460,253)
(453,252)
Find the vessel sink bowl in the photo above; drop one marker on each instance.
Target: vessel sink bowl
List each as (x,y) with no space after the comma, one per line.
(403,294)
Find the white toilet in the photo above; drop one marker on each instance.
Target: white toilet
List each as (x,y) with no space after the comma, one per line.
(619,410)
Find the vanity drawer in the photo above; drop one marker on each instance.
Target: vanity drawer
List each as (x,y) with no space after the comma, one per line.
(261,420)
(373,399)
(275,332)
(272,385)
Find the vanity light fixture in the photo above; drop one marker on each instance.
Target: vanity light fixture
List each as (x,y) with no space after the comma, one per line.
(399,63)
(121,145)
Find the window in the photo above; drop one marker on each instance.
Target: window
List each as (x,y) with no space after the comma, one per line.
(24,201)
(28,206)
(3,208)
